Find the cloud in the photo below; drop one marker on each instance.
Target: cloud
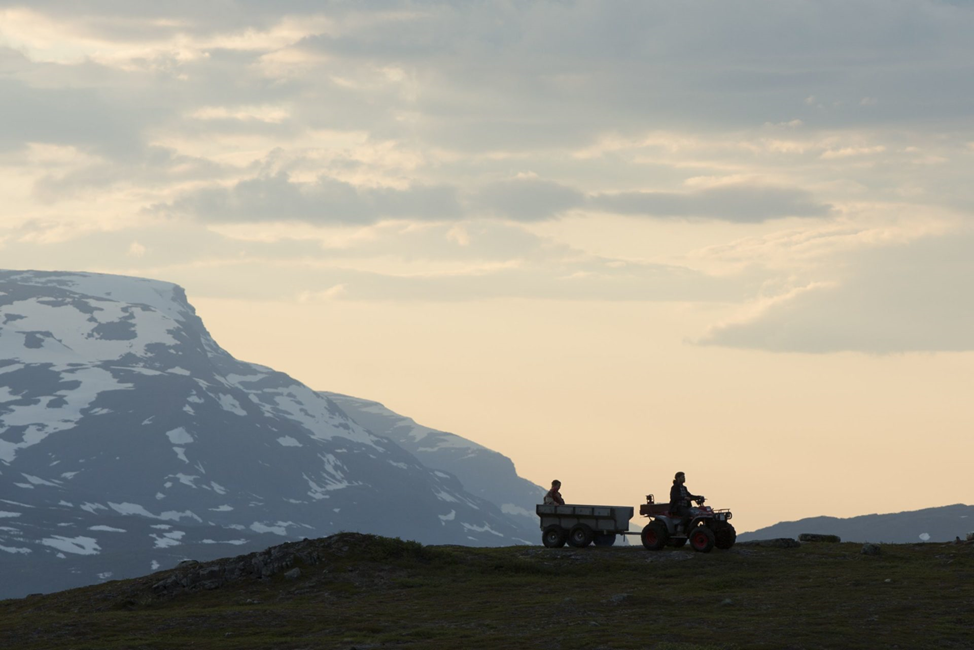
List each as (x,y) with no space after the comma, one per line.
(275,197)
(527,199)
(912,297)
(741,203)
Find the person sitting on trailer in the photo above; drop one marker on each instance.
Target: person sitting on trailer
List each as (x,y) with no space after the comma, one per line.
(680,498)
(553,498)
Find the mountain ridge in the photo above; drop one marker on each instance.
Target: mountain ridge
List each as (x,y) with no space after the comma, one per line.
(935,524)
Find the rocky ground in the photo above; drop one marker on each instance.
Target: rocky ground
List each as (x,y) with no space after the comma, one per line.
(359,591)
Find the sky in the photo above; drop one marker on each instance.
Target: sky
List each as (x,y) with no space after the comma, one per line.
(610,239)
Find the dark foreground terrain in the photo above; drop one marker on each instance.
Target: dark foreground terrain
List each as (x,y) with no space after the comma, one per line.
(358,591)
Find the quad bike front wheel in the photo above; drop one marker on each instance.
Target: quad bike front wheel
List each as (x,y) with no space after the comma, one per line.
(702,539)
(724,535)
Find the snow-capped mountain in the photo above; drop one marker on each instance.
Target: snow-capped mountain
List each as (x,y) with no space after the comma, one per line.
(483,472)
(130,440)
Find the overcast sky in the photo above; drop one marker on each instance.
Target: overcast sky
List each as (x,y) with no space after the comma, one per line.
(528,222)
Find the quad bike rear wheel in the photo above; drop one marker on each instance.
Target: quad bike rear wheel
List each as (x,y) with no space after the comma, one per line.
(702,539)
(654,535)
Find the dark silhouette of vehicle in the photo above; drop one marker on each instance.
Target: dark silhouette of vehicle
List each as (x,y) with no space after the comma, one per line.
(580,525)
(704,527)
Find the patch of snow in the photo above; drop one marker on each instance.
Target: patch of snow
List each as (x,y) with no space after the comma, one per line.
(179,371)
(154,565)
(235,542)
(92,507)
(223,508)
(105,576)
(189,409)
(482,529)
(108,529)
(69,475)
(181,454)
(258,527)
(39,481)
(65,503)
(219,489)
(397,464)
(136,509)
(449,517)
(168,539)
(179,436)
(75,545)
(14,549)
(185,479)
(443,496)
(41,419)
(16,503)
(5,513)
(925,537)
(288,441)
(511,509)
(230,404)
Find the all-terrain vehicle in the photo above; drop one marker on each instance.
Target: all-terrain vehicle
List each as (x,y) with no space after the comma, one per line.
(704,528)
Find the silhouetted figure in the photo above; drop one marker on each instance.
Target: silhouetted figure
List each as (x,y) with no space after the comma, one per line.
(680,498)
(553,498)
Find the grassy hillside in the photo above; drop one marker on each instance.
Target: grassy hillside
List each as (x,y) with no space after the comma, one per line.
(357,591)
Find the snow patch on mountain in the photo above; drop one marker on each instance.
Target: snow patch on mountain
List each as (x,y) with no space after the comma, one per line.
(77,545)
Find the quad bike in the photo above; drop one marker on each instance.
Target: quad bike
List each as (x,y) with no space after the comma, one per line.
(704,527)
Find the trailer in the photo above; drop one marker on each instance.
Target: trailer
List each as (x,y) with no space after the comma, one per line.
(580,525)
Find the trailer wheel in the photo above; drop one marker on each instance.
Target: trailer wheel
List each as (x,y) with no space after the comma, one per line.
(724,535)
(580,536)
(554,536)
(605,539)
(677,542)
(654,535)
(702,539)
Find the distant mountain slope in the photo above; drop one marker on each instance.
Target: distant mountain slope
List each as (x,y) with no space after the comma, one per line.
(130,439)
(483,472)
(941,524)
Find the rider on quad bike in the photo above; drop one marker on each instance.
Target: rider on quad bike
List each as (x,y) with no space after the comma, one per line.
(676,523)
(680,499)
